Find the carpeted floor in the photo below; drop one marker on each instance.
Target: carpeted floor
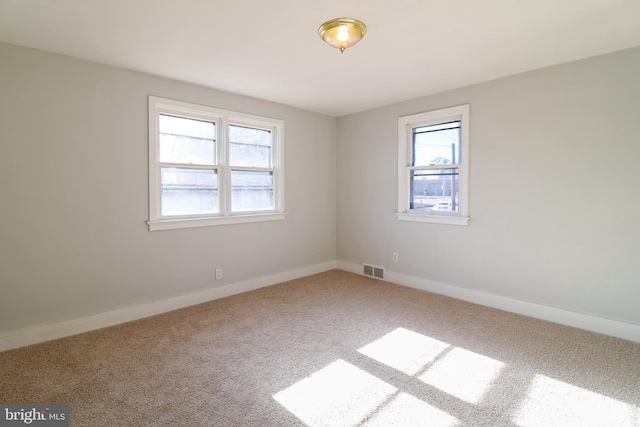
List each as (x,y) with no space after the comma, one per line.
(332,349)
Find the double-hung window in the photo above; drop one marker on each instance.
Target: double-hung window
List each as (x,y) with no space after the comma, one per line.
(433,163)
(209,166)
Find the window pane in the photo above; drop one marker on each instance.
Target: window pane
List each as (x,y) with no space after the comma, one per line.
(249,147)
(251,191)
(436,144)
(186,141)
(249,135)
(435,190)
(189,191)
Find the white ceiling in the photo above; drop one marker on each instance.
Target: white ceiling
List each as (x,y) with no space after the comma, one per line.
(270,49)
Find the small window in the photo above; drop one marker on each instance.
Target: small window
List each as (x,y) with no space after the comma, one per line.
(209,166)
(433,151)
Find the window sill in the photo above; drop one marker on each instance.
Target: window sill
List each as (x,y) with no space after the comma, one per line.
(172,224)
(434,219)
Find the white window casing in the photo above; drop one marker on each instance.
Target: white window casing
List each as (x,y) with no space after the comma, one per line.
(455,205)
(218,195)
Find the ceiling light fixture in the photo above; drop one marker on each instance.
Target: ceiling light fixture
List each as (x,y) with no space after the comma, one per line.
(342,33)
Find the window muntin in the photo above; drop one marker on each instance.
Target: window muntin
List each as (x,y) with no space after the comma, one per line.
(433,165)
(432,187)
(252,172)
(209,166)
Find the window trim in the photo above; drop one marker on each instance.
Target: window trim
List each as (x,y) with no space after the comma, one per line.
(222,119)
(406,124)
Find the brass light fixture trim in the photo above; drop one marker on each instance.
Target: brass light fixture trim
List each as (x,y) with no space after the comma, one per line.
(342,33)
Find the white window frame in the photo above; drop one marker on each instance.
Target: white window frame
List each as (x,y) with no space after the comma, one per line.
(222,119)
(406,124)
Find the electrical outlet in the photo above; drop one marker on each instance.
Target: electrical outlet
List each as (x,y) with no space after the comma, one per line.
(395,257)
(218,273)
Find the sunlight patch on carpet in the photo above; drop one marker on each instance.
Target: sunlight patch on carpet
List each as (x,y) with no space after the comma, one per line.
(456,371)
(407,351)
(342,394)
(339,394)
(463,374)
(407,410)
(551,402)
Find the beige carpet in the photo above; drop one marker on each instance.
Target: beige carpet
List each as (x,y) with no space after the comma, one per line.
(333,349)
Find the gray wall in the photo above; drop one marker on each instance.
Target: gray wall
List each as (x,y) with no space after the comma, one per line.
(554,197)
(74,194)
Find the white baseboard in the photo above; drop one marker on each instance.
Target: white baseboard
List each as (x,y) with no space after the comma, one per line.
(587,322)
(38,334)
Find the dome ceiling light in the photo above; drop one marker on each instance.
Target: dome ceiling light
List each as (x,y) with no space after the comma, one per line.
(342,33)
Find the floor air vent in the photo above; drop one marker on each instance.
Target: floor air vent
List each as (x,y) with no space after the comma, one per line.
(373,271)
